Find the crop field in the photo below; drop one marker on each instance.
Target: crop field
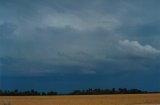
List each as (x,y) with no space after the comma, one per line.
(130,99)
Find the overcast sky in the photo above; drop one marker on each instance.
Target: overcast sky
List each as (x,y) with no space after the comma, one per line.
(72,44)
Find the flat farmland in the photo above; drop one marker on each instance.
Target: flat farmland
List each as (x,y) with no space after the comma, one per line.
(129,99)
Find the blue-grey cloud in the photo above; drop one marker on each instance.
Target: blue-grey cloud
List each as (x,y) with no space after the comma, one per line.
(135,48)
(88,37)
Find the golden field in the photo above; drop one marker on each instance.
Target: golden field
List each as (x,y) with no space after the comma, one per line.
(129,99)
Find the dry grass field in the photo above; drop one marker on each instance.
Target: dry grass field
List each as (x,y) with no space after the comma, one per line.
(134,99)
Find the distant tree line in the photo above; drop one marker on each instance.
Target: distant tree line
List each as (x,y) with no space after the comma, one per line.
(75,92)
(107,91)
(26,93)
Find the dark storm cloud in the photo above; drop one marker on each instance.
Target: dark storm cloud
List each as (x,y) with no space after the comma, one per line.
(87,37)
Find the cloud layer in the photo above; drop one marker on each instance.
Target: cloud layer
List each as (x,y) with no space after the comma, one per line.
(135,48)
(86,37)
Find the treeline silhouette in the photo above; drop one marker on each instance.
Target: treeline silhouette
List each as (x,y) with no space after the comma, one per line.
(90,91)
(26,93)
(107,91)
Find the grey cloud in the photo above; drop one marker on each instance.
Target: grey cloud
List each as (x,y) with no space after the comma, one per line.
(135,48)
(14,66)
(7,30)
(82,34)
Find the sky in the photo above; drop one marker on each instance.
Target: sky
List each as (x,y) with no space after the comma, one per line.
(64,45)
